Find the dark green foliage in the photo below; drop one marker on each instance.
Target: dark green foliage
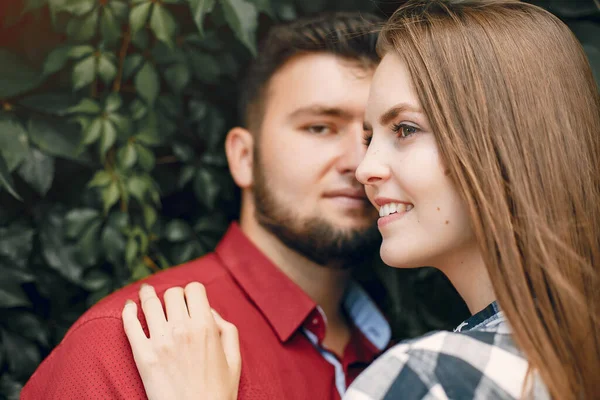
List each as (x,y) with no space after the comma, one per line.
(112,120)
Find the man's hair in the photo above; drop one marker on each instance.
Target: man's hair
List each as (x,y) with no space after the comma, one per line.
(350,35)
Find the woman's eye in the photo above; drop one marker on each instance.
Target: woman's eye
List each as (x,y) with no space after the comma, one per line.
(404,131)
(318,129)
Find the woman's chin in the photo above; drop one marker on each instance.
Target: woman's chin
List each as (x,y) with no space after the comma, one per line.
(396,258)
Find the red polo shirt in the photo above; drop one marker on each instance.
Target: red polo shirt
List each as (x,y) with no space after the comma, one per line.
(280,329)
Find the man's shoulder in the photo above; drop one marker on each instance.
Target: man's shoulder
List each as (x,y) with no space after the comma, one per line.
(207,270)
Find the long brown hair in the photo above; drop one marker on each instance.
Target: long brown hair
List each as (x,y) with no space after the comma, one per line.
(511,98)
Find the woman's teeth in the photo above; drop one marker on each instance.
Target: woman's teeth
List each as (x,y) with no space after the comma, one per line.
(392,208)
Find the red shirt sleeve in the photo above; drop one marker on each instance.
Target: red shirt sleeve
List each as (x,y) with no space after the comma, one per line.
(94,361)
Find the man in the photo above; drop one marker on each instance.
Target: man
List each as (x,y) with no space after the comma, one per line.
(282,275)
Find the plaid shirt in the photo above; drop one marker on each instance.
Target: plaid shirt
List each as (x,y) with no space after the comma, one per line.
(479,360)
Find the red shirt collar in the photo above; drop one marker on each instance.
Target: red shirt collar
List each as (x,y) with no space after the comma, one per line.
(283,303)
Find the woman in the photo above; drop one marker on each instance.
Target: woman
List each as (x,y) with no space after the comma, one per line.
(483,134)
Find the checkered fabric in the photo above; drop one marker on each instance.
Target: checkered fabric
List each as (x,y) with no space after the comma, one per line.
(479,360)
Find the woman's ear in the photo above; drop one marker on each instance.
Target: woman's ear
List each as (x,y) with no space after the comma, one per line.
(239,147)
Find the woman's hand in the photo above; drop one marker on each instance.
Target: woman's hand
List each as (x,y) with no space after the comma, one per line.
(192,353)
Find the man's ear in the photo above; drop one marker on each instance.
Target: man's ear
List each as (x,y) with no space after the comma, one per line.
(239,147)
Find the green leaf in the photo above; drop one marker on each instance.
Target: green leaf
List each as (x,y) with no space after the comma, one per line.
(242,17)
(16,275)
(149,133)
(60,255)
(140,271)
(199,10)
(138,109)
(38,171)
(123,124)
(75,7)
(93,132)
(109,136)
(56,60)
(57,139)
(16,242)
(101,178)
(6,180)
(12,296)
(145,157)
(78,52)
(88,249)
(127,156)
(110,27)
(137,186)
(16,76)
(139,16)
(131,250)
(178,76)
(163,24)
(86,106)
(113,240)
(150,216)
(187,174)
(110,195)
(96,280)
(113,102)
(106,69)
(131,64)
(84,29)
(23,356)
(206,68)
(162,53)
(10,386)
(186,251)
(119,9)
(27,325)
(141,39)
(147,83)
(14,144)
(178,231)
(206,188)
(50,103)
(84,72)
(183,152)
(79,219)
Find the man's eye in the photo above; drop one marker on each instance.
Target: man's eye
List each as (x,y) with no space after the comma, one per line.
(318,129)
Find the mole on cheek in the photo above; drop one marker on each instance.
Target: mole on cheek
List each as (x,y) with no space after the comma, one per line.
(438,209)
(447,222)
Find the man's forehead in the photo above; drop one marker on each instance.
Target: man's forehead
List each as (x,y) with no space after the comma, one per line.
(319,85)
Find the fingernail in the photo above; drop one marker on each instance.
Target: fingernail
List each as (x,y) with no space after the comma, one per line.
(129,302)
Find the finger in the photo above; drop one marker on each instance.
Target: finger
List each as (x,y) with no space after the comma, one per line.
(153,311)
(133,328)
(231,344)
(197,302)
(131,323)
(175,304)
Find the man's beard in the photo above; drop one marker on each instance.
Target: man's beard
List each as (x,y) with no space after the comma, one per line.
(313,237)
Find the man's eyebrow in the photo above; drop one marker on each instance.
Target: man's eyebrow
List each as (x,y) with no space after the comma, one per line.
(318,110)
(393,112)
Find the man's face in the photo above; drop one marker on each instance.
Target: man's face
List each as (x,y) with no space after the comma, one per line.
(306,155)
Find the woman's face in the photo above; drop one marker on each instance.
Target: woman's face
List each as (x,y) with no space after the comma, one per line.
(423,220)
